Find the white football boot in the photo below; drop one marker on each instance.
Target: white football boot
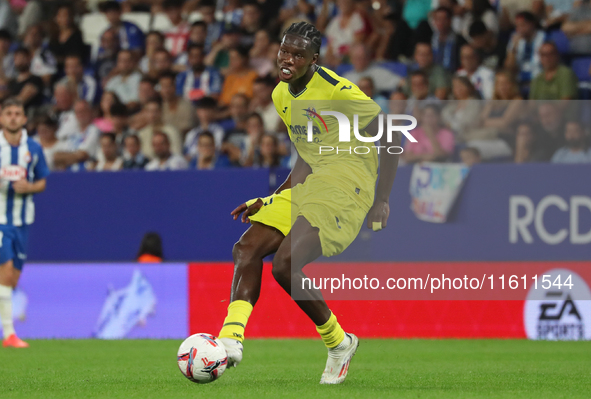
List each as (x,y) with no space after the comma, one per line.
(234,350)
(338,361)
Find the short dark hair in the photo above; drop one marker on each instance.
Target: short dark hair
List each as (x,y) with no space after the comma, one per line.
(155,99)
(199,23)
(151,245)
(243,51)
(207,3)
(5,35)
(306,31)
(77,56)
(206,133)
(161,133)
(527,16)
(207,103)
(446,10)
(478,28)
(12,102)
(167,75)
(111,136)
(147,79)
(420,73)
(194,46)
(107,6)
(23,51)
(157,33)
(134,137)
(168,4)
(118,109)
(47,120)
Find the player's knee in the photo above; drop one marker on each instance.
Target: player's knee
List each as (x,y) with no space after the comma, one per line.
(282,268)
(243,253)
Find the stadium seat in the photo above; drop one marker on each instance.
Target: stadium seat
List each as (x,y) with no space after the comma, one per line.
(560,40)
(92,26)
(141,19)
(161,22)
(396,67)
(343,69)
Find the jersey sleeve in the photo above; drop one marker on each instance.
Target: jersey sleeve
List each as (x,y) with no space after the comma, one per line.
(350,100)
(40,169)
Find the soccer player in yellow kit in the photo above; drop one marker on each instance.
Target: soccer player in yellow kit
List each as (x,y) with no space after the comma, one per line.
(320,208)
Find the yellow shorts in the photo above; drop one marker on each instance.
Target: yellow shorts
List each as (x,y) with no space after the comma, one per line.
(336,215)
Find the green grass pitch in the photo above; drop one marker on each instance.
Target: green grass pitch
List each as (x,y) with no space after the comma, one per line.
(292,368)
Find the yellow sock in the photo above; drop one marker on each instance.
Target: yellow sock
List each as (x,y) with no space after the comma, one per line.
(235,322)
(331,332)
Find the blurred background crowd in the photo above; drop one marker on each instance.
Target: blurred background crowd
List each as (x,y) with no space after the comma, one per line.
(174,84)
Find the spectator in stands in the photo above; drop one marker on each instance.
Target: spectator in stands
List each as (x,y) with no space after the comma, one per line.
(207,156)
(251,141)
(528,146)
(154,42)
(576,149)
(4,92)
(8,20)
(133,157)
(470,156)
(219,56)
(62,109)
(214,27)
(108,158)
(366,85)
(258,53)
(197,36)
(178,34)
(46,136)
(439,79)
(393,42)
(153,113)
(578,28)
(103,122)
(163,63)
(176,111)
(434,142)
(551,128)
(478,10)
(557,12)
(26,87)
(500,115)
(482,78)
(126,83)
(81,145)
(163,158)
(510,10)
(461,115)
(490,49)
(238,108)
(198,80)
(524,46)
(67,38)
(556,81)
(206,109)
(385,80)
(344,30)
(262,103)
(419,89)
(119,119)
(43,63)
(130,35)
(240,78)
(445,43)
(251,22)
(105,60)
(85,84)
(7,54)
(150,249)
(268,155)
(398,102)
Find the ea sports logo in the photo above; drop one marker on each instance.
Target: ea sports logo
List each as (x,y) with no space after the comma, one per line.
(559,308)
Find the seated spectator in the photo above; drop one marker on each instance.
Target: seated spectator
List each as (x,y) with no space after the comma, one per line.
(344,30)
(393,43)
(26,87)
(268,154)
(366,85)
(207,156)
(105,59)
(236,123)
(163,159)
(482,78)
(438,79)
(248,145)
(499,116)
(206,109)
(108,158)
(470,156)
(43,63)
(551,128)
(528,146)
(150,249)
(478,10)
(153,114)
(461,115)
(214,27)
(130,35)
(67,38)
(86,85)
(434,142)
(240,78)
(103,122)
(63,109)
(419,89)
(198,80)
(163,63)
(385,80)
(176,111)
(258,53)
(119,120)
(219,56)
(154,43)
(578,29)
(576,149)
(81,145)
(510,10)
(262,103)
(126,83)
(523,49)
(445,43)
(398,103)
(7,54)
(46,136)
(133,158)
(250,22)
(490,49)
(556,81)
(178,34)
(197,37)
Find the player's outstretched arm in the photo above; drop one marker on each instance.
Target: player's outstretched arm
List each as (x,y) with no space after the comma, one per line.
(377,217)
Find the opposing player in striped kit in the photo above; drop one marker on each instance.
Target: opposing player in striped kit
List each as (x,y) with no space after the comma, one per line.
(23,172)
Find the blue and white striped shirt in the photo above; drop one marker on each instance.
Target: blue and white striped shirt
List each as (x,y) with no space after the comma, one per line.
(25,161)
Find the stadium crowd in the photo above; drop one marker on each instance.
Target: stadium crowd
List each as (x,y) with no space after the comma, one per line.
(173,84)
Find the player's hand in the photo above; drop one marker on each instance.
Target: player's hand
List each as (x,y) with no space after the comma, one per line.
(377,217)
(21,186)
(248,210)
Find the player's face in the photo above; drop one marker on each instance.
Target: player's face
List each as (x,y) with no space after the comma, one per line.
(294,58)
(13,118)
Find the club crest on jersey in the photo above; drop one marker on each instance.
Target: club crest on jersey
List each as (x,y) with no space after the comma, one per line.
(13,172)
(313,116)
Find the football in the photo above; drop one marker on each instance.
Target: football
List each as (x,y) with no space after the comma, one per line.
(202,358)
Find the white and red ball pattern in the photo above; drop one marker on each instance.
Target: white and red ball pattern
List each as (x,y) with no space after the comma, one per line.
(202,358)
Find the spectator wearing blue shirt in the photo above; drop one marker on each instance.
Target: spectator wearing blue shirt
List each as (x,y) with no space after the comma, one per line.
(207,156)
(524,46)
(130,35)
(85,84)
(198,80)
(576,149)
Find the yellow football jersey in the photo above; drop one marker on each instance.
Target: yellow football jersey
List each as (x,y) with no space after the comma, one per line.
(352,165)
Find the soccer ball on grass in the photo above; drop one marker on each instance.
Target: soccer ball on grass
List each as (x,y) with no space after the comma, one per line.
(202,358)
